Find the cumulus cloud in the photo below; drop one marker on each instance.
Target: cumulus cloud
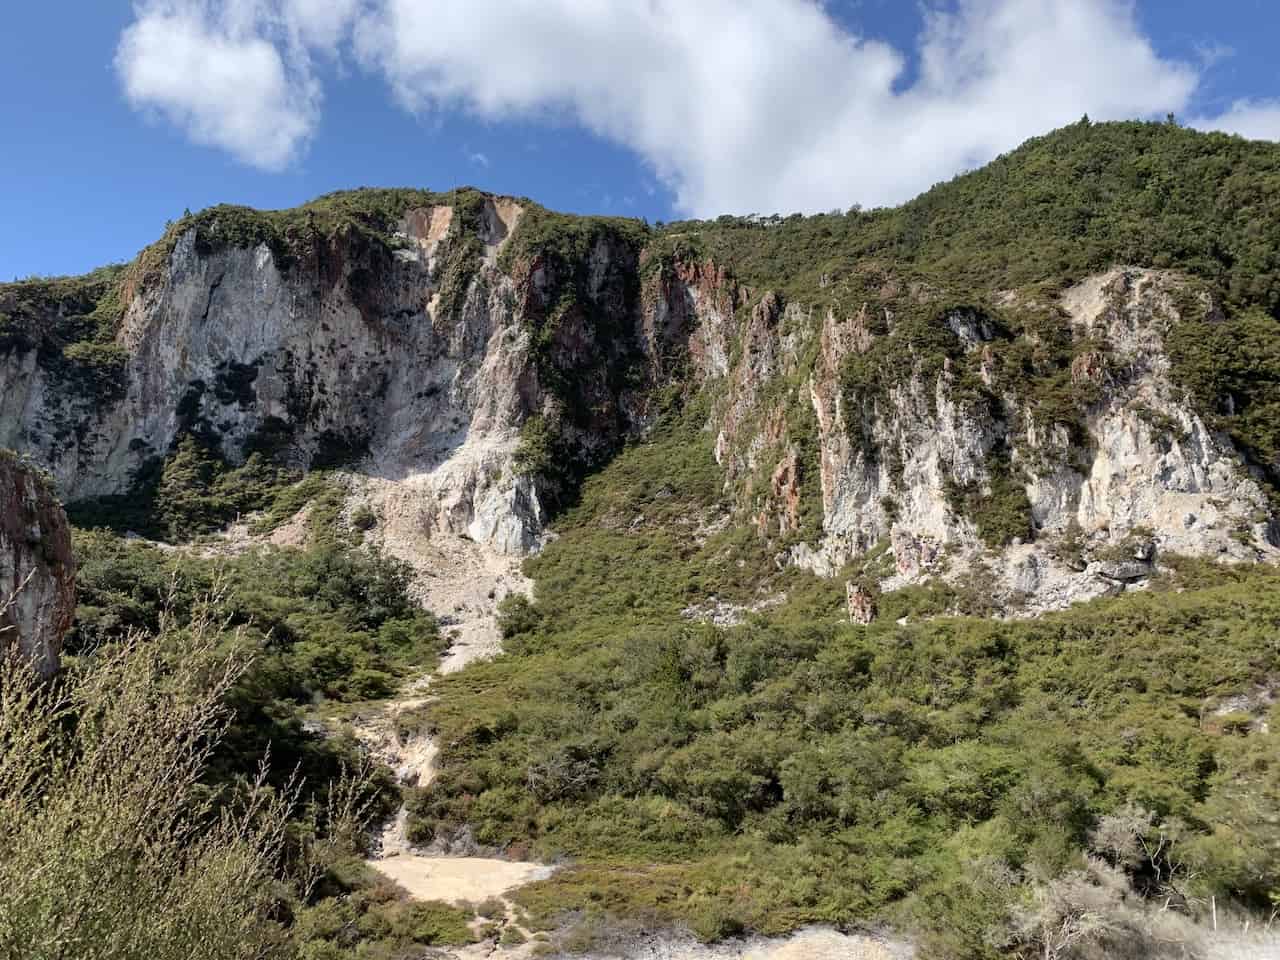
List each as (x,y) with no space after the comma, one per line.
(745,105)
(234,74)
(737,105)
(1252,119)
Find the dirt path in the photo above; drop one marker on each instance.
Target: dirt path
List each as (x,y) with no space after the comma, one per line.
(462,583)
(424,875)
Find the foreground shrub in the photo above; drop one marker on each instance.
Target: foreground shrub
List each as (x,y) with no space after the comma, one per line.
(109,845)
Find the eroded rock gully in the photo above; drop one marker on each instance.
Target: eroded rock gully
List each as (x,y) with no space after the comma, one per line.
(462,582)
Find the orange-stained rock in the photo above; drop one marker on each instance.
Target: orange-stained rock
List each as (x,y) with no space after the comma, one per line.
(37,570)
(862,605)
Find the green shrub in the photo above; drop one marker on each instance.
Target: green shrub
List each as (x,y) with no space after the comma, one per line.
(823,766)
(516,615)
(1001,512)
(330,622)
(98,369)
(109,844)
(1231,368)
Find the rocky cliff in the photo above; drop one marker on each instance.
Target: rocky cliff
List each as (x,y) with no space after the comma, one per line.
(957,466)
(37,572)
(335,348)
(1040,442)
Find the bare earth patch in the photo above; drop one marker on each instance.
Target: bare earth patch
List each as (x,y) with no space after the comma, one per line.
(812,944)
(460,581)
(459,879)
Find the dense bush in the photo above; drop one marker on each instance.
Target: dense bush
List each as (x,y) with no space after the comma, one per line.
(800,768)
(1059,207)
(194,491)
(316,616)
(328,623)
(112,843)
(109,843)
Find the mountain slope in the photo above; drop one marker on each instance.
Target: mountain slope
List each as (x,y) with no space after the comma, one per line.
(950,378)
(1052,380)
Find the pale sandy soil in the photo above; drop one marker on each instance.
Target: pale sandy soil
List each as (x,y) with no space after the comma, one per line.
(821,945)
(459,879)
(816,944)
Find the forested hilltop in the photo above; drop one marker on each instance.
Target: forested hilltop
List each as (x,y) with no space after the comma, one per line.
(911,571)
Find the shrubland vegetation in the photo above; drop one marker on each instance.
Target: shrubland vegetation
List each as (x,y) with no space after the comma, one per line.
(1075,202)
(161,801)
(989,786)
(194,491)
(328,622)
(212,819)
(953,775)
(109,844)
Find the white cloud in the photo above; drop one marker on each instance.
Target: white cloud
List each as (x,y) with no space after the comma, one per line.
(1252,119)
(320,23)
(738,105)
(233,74)
(769,105)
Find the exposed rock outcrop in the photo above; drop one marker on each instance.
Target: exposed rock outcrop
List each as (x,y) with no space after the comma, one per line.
(37,571)
(916,467)
(938,432)
(347,351)
(861,604)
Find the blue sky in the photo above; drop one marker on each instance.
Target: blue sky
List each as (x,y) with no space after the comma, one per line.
(118,116)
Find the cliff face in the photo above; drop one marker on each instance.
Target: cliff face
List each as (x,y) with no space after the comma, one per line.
(347,354)
(1036,444)
(37,572)
(334,357)
(954,470)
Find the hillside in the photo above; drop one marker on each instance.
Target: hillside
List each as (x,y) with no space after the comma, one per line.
(909,566)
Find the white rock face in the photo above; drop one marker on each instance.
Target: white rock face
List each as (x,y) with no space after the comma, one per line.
(1156,464)
(351,350)
(325,358)
(1149,470)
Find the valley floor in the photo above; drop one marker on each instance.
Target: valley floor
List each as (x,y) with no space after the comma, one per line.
(463,583)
